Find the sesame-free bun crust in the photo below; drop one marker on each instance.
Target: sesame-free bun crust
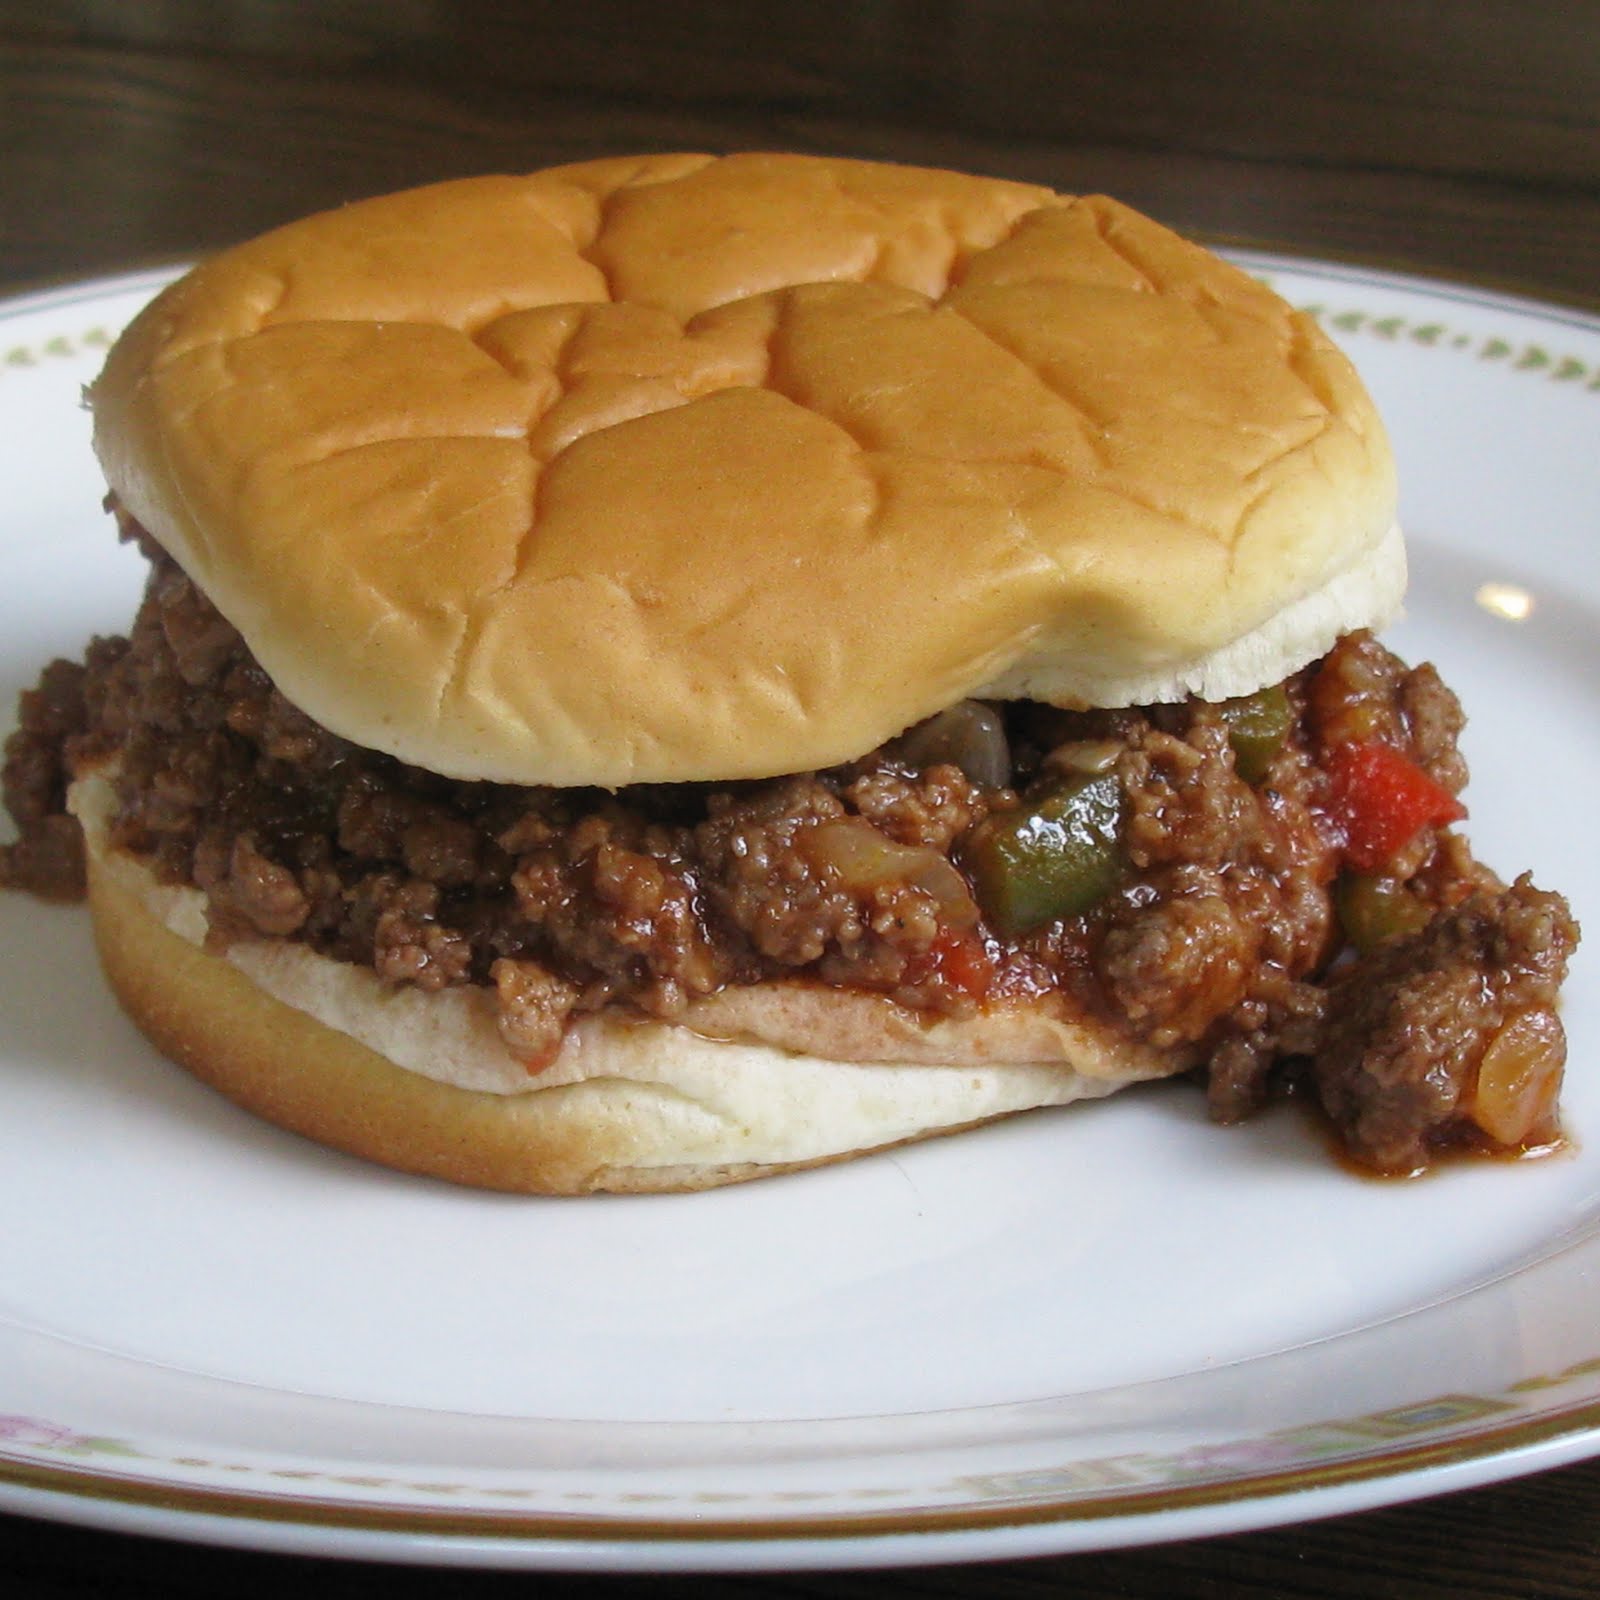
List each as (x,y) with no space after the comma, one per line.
(683,468)
(778,1079)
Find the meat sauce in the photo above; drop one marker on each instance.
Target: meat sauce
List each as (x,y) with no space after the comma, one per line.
(1232,906)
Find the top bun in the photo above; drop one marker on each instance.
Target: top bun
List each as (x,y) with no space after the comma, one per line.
(684,468)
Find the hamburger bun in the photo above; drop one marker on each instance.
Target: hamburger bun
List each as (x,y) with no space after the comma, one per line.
(425,1084)
(692,469)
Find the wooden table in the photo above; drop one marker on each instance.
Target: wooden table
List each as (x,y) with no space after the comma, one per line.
(1462,140)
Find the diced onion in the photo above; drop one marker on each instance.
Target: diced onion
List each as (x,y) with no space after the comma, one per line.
(969,735)
(865,859)
(1520,1076)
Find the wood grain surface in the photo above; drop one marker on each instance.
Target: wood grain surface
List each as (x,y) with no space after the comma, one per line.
(121,144)
(1462,139)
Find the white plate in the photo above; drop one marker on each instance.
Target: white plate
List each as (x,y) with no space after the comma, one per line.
(1111,1325)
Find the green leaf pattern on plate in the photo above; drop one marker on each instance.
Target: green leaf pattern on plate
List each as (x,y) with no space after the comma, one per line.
(1519,357)
(57,347)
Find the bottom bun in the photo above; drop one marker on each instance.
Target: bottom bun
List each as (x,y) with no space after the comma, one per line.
(660,1108)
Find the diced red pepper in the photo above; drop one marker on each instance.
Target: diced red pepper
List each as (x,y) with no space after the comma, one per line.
(961,959)
(1383,800)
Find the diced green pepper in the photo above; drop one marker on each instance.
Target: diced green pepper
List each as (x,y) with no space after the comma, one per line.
(1257,725)
(1053,858)
(1374,910)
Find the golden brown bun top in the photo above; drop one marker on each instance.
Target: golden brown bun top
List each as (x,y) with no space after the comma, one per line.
(687,468)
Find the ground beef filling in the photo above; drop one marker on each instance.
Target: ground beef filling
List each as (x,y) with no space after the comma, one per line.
(1248,911)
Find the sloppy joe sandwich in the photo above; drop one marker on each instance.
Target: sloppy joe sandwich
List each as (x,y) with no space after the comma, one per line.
(662,671)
